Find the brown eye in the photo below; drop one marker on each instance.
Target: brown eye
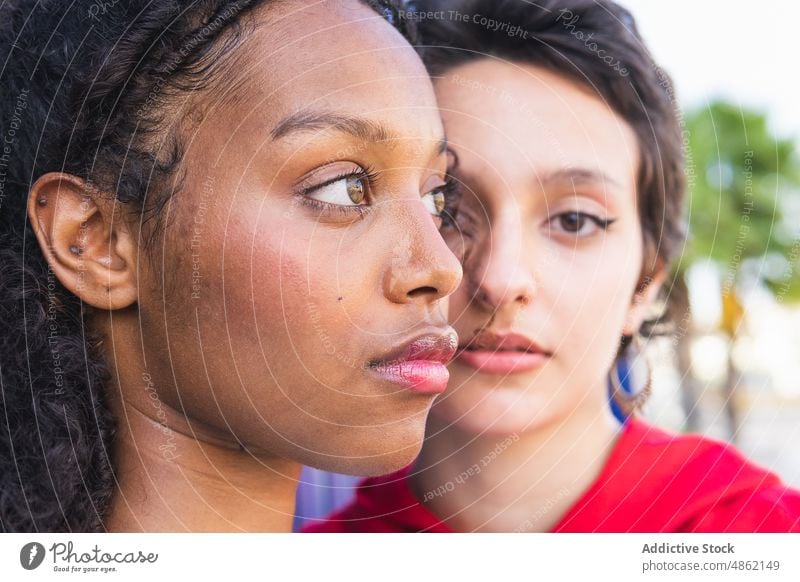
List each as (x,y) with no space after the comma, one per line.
(435,201)
(346,191)
(356,190)
(572,221)
(580,224)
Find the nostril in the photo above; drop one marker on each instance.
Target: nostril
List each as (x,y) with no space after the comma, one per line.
(423,291)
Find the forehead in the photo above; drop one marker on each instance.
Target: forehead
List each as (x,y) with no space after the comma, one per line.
(516,118)
(334,55)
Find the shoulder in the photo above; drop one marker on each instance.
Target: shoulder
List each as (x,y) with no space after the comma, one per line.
(696,483)
(672,455)
(678,458)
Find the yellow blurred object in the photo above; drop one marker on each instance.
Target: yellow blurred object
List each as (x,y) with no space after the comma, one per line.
(732,312)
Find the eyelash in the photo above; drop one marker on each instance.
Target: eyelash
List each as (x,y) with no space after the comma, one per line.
(466,230)
(602,223)
(450,188)
(370,176)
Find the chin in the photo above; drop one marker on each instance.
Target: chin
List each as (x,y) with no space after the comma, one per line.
(371,451)
(494,411)
(480,424)
(388,463)
(367,466)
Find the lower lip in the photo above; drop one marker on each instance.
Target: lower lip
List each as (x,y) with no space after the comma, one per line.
(502,362)
(421,376)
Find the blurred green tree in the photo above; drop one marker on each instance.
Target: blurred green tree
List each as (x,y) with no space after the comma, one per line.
(744,199)
(743,208)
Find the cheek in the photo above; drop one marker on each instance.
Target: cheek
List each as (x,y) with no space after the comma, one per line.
(592,302)
(298,290)
(293,342)
(314,300)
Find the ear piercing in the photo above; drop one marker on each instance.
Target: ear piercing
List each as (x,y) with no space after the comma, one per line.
(42,201)
(75,250)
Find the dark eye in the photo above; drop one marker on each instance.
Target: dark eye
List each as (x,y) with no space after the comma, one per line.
(435,201)
(572,221)
(348,191)
(444,201)
(580,223)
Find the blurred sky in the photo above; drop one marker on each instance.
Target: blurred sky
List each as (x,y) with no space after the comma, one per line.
(744,51)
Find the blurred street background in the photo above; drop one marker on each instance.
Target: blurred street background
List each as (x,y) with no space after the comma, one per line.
(733,372)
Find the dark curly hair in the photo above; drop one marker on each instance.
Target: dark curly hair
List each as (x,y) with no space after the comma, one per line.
(596,44)
(84,88)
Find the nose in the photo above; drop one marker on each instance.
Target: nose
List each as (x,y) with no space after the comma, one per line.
(498,277)
(422,269)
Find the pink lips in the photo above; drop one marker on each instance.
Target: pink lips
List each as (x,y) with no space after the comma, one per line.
(492,353)
(420,364)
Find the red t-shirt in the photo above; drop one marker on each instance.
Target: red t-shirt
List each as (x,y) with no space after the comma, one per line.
(653,481)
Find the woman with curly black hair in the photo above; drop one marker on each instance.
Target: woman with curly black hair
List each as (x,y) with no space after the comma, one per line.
(219,258)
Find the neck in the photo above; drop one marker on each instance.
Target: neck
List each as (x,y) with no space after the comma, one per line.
(523,481)
(174,476)
(174,473)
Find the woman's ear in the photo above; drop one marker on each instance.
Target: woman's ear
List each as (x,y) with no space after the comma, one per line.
(646,294)
(88,247)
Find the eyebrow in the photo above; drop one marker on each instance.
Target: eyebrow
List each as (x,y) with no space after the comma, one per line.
(579,176)
(359,127)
